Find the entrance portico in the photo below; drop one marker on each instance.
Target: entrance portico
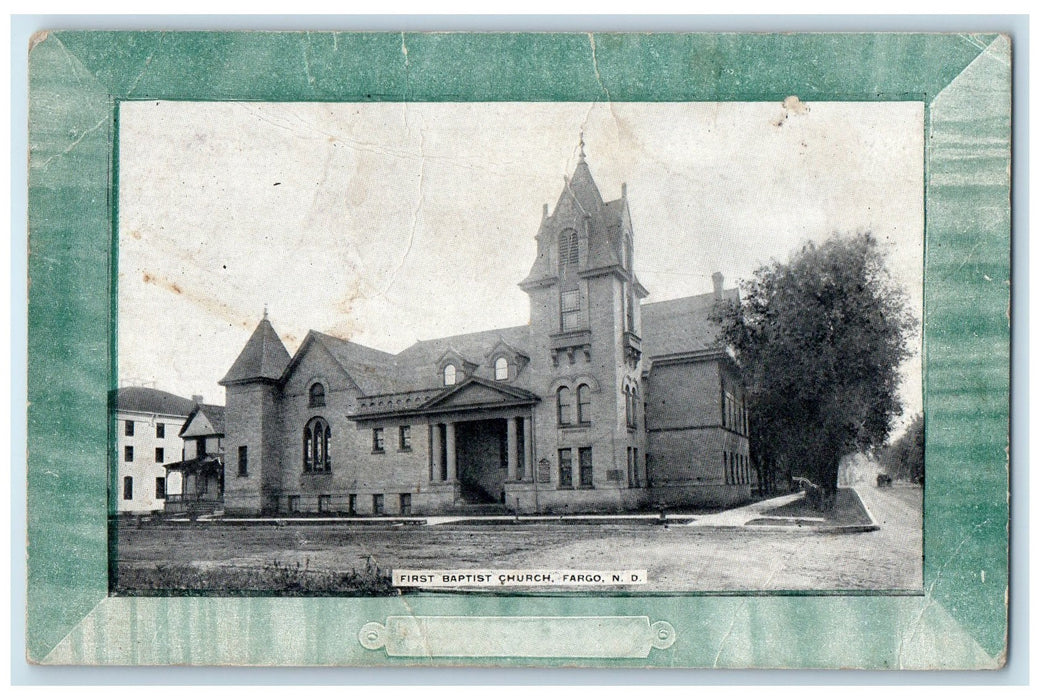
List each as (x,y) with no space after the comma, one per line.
(481,452)
(481,440)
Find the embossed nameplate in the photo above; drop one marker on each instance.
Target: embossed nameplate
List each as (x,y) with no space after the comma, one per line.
(569,637)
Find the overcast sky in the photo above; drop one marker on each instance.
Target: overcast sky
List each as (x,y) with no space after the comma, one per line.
(388,223)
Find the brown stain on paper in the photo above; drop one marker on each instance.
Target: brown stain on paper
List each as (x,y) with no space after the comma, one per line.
(205,302)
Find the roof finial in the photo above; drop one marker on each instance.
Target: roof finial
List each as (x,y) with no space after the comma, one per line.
(581,145)
(265,311)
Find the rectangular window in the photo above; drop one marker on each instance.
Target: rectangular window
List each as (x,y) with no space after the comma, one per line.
(294,504)
(377,504)
(585,467)
(128,488)
(243,460)
(405,437)
(377,440)
(635,464)
(352,504)
(160,430)
(160,487)
(570,310)
(324,503)
(160,455)
(128,453)
(406,504)
(566,469)
(128,428)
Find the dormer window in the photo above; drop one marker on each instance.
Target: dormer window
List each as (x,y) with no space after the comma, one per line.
(501,369)
(317,396)
(449,375)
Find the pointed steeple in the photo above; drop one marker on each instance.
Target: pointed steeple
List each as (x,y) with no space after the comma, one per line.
(263,358)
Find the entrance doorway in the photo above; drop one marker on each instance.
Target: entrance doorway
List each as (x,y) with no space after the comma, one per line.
(481,452)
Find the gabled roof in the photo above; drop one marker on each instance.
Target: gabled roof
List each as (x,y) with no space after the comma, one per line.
(471,394)
(373,371)
(606,222)
(142,399)
(212,413)
(681,325)
(417,364)
(263,358)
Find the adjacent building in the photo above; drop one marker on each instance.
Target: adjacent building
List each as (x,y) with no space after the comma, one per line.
(195,483)
(147,424)
(602,402)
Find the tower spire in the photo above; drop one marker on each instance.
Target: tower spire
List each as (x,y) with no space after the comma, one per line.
(265,311)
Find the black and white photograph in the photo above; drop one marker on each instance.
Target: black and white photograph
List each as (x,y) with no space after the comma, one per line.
(366,349)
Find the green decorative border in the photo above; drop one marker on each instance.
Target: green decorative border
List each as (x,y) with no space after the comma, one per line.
(76,81)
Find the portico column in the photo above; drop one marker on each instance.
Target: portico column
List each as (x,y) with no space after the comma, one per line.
(528,462)
(437,469)
(449,445)
(511,445)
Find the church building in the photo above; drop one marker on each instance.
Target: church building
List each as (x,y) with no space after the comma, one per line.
(601,403)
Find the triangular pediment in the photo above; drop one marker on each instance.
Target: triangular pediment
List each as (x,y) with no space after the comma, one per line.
(476,392)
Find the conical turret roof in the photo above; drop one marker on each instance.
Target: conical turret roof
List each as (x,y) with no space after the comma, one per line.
(264,357)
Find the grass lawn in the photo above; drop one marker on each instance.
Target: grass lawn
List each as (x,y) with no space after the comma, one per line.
(848,510)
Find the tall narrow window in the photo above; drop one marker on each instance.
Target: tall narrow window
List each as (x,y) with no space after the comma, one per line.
(568,250)
(128,488)
(160,455)
(377,440)
(501,369)
(316,438)
(404,437)
(160,430)
(585,467)
(570,310)
(128,428)
(449,375)
(563,406)
(243,460)
(317,395)
(377,504)
(160,488)
(566,469)
(584,404)
(128,453)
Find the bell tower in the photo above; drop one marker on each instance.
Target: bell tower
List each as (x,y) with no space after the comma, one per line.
(585,329)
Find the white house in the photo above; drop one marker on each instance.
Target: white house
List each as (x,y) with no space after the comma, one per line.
(148,425)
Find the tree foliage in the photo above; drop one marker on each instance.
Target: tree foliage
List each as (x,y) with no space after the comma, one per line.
(904,459)
(819,340)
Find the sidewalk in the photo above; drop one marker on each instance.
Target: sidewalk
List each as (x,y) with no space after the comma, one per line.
(733,518)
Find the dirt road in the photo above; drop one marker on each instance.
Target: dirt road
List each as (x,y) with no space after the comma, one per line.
(677,558)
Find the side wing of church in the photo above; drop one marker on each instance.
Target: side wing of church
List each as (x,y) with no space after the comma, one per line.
(601,403)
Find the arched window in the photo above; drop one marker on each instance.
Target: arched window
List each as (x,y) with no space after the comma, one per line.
(563,406)
(568,249)
(501,369)
(449,375)
(317,395)
(316,439)
(630,406)
(584,404)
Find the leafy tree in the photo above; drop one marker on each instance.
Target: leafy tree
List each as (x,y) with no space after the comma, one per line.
(819,340)
(904,458)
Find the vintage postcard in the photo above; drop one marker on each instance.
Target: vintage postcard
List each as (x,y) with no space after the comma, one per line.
(561,349)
